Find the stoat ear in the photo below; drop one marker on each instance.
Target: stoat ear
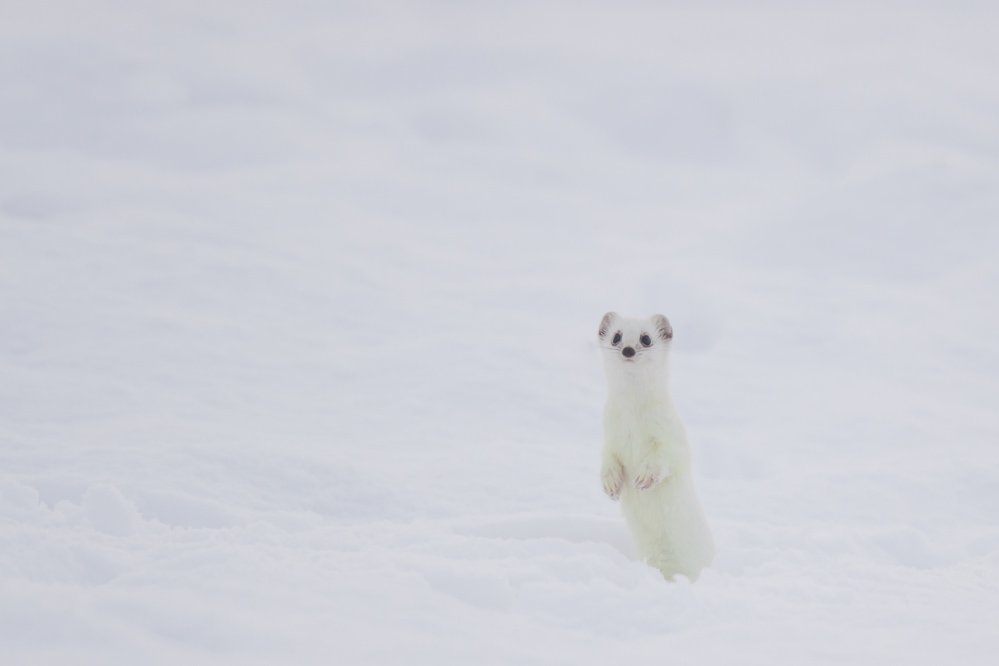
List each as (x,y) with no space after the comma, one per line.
(605,323)
(662,326)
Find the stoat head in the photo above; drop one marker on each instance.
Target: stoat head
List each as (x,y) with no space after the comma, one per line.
(635,345)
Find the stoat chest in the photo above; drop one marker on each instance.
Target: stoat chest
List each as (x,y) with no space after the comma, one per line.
(631,429)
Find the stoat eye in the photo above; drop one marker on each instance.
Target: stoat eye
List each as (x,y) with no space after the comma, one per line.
(646,340)
(617,337)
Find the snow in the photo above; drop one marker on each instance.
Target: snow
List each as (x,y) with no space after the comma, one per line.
(298,306)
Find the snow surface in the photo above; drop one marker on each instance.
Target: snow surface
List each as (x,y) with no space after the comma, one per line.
(299,304)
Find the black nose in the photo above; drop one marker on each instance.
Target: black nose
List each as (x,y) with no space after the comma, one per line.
(628,352)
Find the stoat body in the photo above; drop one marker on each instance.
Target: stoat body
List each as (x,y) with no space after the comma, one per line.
(646,458)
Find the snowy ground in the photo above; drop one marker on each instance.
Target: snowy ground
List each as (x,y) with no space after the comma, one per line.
(298,307)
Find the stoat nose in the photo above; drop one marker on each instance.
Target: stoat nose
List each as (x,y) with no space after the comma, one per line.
(628,352)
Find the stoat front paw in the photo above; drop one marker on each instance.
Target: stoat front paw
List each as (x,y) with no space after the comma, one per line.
(649,475)
(613,481)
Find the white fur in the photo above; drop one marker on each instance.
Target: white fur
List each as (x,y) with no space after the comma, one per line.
(646,457)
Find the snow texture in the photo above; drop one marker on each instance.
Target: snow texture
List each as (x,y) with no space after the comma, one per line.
(298,308)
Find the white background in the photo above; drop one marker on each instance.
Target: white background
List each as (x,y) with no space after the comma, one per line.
(298,306)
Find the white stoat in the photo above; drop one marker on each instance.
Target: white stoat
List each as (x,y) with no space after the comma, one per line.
(646,458)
